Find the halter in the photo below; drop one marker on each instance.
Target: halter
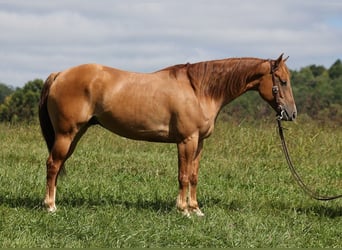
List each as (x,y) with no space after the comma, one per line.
(276,94)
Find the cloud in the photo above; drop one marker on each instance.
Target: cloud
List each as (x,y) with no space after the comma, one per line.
(40,37)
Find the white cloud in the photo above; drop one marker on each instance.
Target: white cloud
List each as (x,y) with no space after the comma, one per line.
(43,36)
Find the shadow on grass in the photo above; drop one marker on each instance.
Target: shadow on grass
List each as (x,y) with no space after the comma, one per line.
(161,205)
(157,204)
(37,203)
(17,202)
(318,210)
(321,210)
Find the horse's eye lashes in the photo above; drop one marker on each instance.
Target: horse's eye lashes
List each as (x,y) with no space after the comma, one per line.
(283,82)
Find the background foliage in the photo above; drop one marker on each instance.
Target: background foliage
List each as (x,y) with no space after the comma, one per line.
(21,104)
(317,91)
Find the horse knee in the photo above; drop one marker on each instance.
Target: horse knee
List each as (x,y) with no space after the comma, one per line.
(193,179)
(183,180)
(52,170)
(51,167)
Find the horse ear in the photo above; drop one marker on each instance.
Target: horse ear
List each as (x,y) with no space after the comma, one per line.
(278,61)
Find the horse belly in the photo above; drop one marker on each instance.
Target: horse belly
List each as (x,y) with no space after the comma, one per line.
(135,132)
(143,126)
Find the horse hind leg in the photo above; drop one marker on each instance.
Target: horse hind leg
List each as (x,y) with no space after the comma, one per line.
(64,146)
(54,164)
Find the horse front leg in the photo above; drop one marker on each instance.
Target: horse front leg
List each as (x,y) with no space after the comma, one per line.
(193,204)
(186,155)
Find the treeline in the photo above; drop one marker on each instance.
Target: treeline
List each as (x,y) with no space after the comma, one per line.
(20,104)
(317,91)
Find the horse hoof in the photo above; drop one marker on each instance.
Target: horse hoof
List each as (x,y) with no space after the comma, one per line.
(185,213)
(52,209)
(198,212)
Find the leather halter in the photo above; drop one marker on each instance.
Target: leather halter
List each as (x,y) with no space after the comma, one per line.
(275,93)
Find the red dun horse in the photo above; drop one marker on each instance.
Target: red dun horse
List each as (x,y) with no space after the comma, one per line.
(178,104)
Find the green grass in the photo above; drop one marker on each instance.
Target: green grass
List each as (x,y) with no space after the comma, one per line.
(121,193)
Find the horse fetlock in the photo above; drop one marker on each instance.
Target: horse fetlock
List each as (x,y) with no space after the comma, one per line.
(188,211)
(50,206)
(181,204)
(184,211)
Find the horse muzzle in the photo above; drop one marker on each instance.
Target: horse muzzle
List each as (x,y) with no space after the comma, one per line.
(286,114)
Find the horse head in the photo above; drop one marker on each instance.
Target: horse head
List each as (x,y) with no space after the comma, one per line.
(275,88)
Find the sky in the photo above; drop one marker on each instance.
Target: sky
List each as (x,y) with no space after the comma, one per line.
(39,37)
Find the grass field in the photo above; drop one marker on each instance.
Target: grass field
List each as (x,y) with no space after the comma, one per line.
(121,193)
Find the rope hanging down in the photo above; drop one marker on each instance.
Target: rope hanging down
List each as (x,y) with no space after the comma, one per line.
(294,172)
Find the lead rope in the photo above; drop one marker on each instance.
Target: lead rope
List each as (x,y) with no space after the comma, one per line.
(294,172)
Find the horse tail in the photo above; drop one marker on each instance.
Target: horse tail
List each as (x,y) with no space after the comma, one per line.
(44,117)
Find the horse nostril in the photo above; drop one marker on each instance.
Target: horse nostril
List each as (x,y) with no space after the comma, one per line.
(294,115)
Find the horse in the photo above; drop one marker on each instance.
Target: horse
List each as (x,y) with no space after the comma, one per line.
(177,104)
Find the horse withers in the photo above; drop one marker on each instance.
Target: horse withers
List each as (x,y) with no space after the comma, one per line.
(178,104)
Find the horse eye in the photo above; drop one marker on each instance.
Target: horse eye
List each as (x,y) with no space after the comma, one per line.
(283,82)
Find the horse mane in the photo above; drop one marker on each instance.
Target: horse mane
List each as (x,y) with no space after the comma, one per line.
(219,77)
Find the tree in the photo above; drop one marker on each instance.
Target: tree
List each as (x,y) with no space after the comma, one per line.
(335,70)
(22,104)
(4,91)
(317,70)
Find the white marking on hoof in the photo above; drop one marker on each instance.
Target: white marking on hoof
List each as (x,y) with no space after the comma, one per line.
(52,209)
(198,212)
(185,213)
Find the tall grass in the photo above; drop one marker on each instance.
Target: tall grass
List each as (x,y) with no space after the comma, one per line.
(121,193)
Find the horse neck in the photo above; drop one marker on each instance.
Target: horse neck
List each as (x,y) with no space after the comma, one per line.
(224,80)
